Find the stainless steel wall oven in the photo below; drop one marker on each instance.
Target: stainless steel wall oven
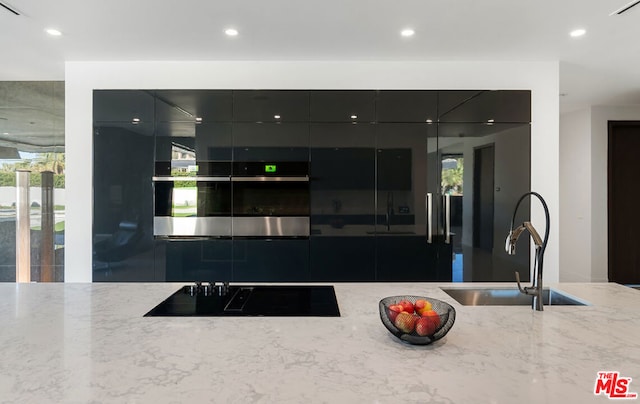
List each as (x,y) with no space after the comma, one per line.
(257,199)
(270,199)
(192,203)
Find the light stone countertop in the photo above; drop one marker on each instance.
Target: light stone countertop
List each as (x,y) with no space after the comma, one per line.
(89,343)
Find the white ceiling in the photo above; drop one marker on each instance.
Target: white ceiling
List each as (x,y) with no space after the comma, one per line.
(603,67)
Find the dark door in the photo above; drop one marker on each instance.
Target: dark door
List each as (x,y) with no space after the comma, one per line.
(483,182)
(624,169)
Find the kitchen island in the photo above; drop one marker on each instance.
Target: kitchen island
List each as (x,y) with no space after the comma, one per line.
(81,343)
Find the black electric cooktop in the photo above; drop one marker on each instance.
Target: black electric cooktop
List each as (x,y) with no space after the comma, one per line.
(212,299)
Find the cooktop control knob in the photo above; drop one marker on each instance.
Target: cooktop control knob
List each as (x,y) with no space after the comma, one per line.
(206,289)
(191,290)
(221,288)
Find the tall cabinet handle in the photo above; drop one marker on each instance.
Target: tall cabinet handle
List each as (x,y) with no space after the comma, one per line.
(447,219)
(428,206)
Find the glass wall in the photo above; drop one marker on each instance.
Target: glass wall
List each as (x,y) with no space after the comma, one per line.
(32,139)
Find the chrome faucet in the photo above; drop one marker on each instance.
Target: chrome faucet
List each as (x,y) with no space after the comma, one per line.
(535,289)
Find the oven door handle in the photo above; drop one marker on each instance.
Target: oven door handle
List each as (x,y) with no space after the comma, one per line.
(270,179)
(197,179)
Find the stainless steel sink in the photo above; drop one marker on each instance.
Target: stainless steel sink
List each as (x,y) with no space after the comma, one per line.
(509,297)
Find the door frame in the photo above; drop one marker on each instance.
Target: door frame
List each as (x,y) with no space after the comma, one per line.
(611,125)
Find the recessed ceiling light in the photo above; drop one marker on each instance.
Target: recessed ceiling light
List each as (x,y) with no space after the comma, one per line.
(198,119)
(429,120)
(231,32)
(53,32)
(490,120)
(577,32)
(276,116)
(354,116)
(407,32)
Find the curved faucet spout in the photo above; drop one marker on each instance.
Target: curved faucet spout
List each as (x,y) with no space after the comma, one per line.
(535,289)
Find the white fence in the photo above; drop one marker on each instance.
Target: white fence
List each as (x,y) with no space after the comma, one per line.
(8,196)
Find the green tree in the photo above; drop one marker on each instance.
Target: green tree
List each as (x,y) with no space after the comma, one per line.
(452,178)
(54,162)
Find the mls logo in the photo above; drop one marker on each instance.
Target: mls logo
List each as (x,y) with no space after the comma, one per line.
(614,386)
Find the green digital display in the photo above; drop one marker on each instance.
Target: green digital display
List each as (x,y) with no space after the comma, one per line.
(270,168)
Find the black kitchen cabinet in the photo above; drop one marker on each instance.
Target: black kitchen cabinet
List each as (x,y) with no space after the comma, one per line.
(409,241)
(394,169)
(342,106)
(270,142)
(406,106)
(343,168)
(484,106)
(484,138)
(270,106)
(270,260)
(196,260)
(409,258)
(122,191)
(342,258)
(342,241)
(404,185)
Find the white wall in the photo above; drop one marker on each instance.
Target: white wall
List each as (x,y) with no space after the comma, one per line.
(81,78)
(583,190)
(575,196)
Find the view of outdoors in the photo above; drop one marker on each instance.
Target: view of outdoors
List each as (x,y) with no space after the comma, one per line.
(185,193)
(452,172)
(32,138)
(36,163)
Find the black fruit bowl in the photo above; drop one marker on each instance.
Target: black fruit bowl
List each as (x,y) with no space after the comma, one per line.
(444,310)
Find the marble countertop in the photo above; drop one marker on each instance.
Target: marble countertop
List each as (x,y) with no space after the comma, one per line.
(89,343)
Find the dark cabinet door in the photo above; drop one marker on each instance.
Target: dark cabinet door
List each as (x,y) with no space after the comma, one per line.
(271,106)
(483,154)
(342,106)
(271,126)
(192,132)
(270,260)
(484,106)
(122,188)
(342,188)
(394,169)
(270,142)
(195,260)
(405,250)
(406,106)
(342,258)
(408,258)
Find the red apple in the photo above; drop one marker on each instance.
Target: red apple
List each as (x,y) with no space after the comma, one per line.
(435,317)
(407,306)
(393,311)
(425,326)
(421,306)
(405,322)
